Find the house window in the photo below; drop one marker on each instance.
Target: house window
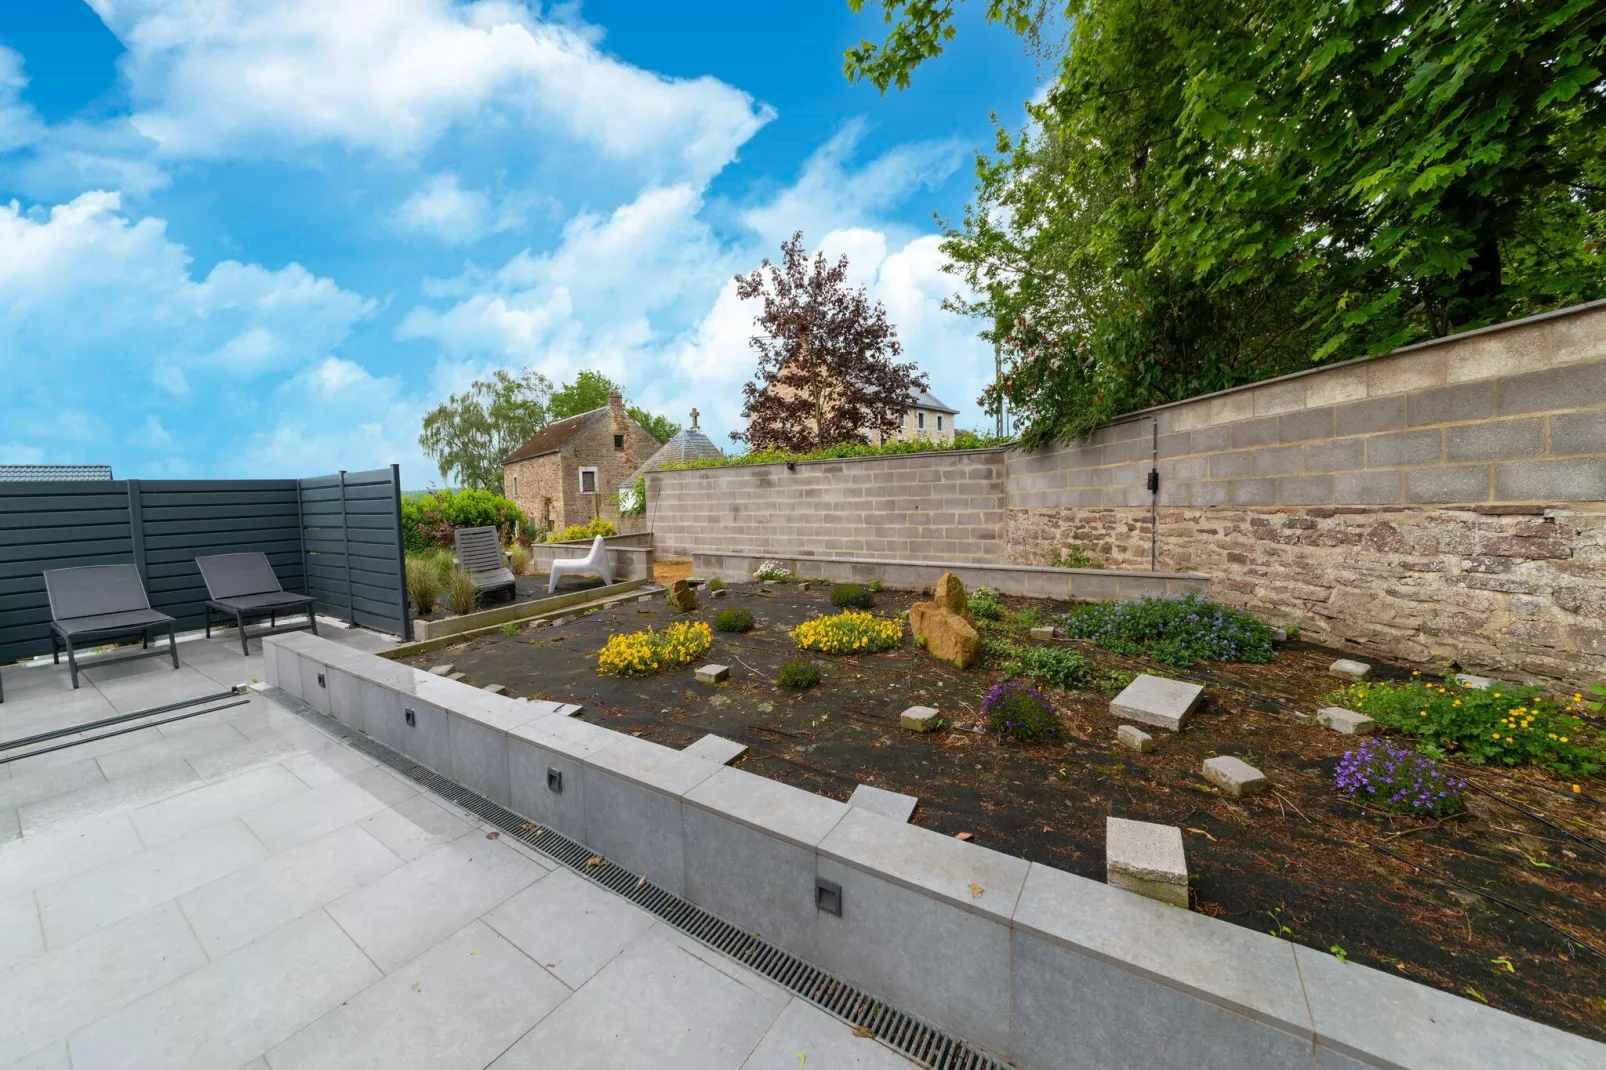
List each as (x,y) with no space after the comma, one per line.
(939,423)
(920,420)
(515,486)
(618,442)
(588,481)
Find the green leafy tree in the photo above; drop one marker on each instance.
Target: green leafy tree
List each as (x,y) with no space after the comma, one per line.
(590,390)
(469,435)
(1219,191)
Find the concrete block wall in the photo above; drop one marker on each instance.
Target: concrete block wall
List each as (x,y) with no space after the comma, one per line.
(931,507)
(1042,968)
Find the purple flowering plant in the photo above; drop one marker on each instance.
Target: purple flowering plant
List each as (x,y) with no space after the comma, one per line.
(1021,712)
(1381,774)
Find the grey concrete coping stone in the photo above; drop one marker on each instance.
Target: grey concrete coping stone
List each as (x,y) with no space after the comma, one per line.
(928,862)
(568,709)
(1134,738)
(792,814)
(443,670)
(652,765)
(1392,1021)
(952,566)
(893,804)
(1158,701)
(712,674)
(567,736)
(716,749)
(920,719)
(1345,722)
(1349,669)
(1234,775)
(1240,969)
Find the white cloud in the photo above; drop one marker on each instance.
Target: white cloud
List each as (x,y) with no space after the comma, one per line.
(442,209)
(215,79)
(20,453)
(19,124)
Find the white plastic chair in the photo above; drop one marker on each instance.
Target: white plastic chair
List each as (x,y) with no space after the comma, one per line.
(595,561)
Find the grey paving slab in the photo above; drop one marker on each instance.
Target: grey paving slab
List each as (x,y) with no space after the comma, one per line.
(270,748)
(1146,858)
(455,1007)
(327,764)
(39,860)
(717,749)
(50,995)
(569,925)
(96,898)
(20,789)
(1158,701)
(217,1016)
(655,1007)
(20,934)
(419,904)
(1345,722)
(283,824)
(169,748)
(414,827)
(99,802)
(386,785)
(50,1057)
(89,748)
(156,685)
(1349,669)
(806,1036)
(214,803)
(1234,775)
(893,804)
(10,827)
(252,901)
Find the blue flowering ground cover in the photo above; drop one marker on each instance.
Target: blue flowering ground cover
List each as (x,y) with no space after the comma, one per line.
(1172,631)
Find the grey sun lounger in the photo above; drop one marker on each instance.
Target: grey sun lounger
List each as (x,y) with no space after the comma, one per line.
(244,587)
(479,553)
(93,603)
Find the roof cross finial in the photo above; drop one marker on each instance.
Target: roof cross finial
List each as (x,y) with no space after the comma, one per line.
(694,419)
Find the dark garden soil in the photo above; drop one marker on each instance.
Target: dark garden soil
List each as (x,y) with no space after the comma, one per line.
(1476,904)
(525,588)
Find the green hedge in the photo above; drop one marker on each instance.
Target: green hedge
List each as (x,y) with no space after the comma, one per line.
(963,440)
(428,519)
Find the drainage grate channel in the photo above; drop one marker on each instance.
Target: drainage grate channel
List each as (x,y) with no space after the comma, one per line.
(912,1036)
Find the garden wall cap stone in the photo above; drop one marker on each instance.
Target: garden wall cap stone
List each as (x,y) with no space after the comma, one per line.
(1242,970)
(1135,738)
(652,765)
(495,689)
(1347,669)
(443,670)
(1146,850)
(569,737)
(712,674)
(927,861)
(1158,701)
(1392,1021)
(1345,722)
(716,749)
(1234,775)
(920,719)
(892,804)
(792,814)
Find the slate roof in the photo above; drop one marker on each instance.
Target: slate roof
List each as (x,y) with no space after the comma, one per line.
(34,473)
(688,444)
(925,399)
(553,437)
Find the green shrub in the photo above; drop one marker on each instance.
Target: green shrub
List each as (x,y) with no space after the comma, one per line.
(851,596)
(983,604)
(1072,557)
(429,519)
(1506,725)
(1020,712)
(874,587)
(423,583)
(963,440)
(1173,631)
(715,584)
(1055,665)
(510,629)
(588,531)
(633,502)
(800,673)
(733,620)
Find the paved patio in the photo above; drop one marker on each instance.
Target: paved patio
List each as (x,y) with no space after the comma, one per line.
(239,890)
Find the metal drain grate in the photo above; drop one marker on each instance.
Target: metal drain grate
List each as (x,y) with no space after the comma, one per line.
(915,1038)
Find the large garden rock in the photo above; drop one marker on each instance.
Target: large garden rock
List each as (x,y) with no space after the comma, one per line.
(681,594)
(950,595)
(948,635)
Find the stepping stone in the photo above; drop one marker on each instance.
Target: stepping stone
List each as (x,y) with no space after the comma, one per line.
(1477,683)
(1147,859)
(920,719)
(891,804)
(1345,722)
(458,676)
(717,592)
(568,709)
(716,749)
(804,587)
(1157,700)
(1345,669)
(561,620)
(442,670)
(713,674)
(1045,632)
(1135,738)
(540,624)
(495,689)
(1280,634)
(1235,776)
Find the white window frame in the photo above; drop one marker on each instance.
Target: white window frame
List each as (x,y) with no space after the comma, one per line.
(595,482)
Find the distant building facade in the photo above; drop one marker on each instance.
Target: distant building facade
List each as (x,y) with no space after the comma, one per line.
(569,471)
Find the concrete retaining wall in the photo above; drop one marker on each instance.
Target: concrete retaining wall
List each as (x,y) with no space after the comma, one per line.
(1065,584)
(1044,968)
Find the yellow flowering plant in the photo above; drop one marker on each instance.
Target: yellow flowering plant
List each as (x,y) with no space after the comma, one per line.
(849,632)
(646,652)
(1503,724)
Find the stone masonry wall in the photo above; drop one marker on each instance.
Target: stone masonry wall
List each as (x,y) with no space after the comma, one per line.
(923,507)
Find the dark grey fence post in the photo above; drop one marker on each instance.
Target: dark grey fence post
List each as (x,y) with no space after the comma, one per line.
(301,530)
(401,556)
(345,541)
(136,527)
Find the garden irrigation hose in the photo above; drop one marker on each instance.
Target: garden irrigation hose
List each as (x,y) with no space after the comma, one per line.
(123,731)
(1541,818)
(57,733)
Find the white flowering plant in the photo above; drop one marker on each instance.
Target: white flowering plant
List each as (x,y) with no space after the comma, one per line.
(772,571)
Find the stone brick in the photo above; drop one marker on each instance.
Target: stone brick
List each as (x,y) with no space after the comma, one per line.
(1146,858)
(1449,404)
(1366,417)
(1230,465)
(1252,491)
(1568,387)
(1305,490)
(1278,461)
(1405,448)
(1578,432)
(1465,483)
(1134,739)
(1234,775)
(1301,426)
(1416,370)
(1338,455)
(712,674)
(1336,385)
(1578,337)
(1349,669)
(920,719)
(1274,398)
(1579,480)
(1500,441)
(1230,408)
(1208,494)
(1210,439)
(1345,722)
(1262,432)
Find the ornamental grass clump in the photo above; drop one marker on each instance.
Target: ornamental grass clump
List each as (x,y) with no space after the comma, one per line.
(1399,779)
(519,559)
(850,632)
(1020,712)
(1502,724)
(851,596)
(461,594)
(423,583)
(646,652)
(1173,631)
(733,620)
(799,673)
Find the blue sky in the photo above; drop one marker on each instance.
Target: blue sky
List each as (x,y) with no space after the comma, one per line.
(262,239)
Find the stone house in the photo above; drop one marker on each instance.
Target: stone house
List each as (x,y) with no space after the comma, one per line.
(569,471)
(689,444)
(926,417)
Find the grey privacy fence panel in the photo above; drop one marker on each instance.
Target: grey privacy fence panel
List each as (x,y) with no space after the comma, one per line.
(351,528)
